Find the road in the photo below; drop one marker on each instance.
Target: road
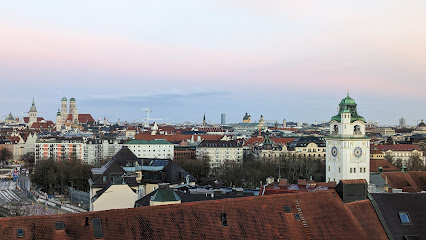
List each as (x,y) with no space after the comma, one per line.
(21,202)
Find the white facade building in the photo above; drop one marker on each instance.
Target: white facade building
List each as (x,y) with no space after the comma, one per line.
(160,149)
(348,149)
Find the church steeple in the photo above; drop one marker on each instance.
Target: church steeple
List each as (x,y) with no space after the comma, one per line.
(204,120)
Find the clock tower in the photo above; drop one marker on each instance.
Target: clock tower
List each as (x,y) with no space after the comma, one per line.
(348,149)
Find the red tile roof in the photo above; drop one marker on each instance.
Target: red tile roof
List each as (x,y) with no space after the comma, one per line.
(13,139)
(27,119)
(48,124)
(396,147)
(176,138)
(82,118)
(387,166)
(283,141)
(408,182)
(323,216)
(366,216)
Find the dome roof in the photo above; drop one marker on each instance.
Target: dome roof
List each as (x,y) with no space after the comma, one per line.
(64,99)
(72,99)
(347,101)
(422,124)
(348,105)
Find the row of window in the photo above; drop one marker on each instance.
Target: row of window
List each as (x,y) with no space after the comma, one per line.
(361,170)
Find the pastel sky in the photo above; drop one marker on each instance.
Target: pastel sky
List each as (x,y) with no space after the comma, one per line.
(289,60)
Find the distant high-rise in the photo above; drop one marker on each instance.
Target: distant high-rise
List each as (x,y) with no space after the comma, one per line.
(284,123)
(222,119)
(402,123)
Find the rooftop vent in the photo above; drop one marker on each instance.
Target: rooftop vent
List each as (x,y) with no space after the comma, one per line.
(97,228)
(223,219)
(287,209)
(163,185)
(59,225)
(20,232)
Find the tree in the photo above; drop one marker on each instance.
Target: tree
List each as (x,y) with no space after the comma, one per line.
(415,163)
(199,168)
(55,176)
(5,155)
(29,160)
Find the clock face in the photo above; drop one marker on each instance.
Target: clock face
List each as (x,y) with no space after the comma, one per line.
(358,152)
(334,151)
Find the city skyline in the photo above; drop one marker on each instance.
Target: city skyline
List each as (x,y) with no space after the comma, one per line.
(284,60)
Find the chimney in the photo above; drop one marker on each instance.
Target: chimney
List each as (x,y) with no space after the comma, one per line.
(163,185)
(404,169)
(283,182)
(380,169)
(352,190)
(301,182)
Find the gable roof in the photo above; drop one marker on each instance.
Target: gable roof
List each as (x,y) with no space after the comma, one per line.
(124,155)
(413,181)
(366,216)
(322,216)
(387,166)
(412,203)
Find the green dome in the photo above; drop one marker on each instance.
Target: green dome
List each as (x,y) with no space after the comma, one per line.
(72,99)
(347,101)
(64,99)
(348,105)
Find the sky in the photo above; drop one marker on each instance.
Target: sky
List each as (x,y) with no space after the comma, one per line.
(292,60)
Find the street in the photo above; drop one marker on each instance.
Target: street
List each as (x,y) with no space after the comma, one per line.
(21,202)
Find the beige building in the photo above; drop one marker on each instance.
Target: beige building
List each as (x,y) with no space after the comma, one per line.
(400,151)
(220,151)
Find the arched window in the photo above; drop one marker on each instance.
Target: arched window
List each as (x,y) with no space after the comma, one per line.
(357,129)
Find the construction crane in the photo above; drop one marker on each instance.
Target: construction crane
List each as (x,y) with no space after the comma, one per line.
(147,119)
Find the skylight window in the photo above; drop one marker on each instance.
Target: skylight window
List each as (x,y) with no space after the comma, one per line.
(403,216)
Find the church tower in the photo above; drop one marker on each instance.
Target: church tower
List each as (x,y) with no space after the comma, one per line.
(204,120)
(348,149)
(64,110)
(58,121)
(73,111)
(32,114)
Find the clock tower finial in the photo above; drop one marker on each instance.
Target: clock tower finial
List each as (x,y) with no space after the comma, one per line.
(348,92)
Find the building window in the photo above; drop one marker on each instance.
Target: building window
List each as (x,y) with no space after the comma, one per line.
(403,216)
(329,168)
(354,170)
(104,178)
(351,170)
(339,169)
(364,169)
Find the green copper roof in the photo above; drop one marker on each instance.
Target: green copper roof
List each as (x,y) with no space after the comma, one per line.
(64,99)
(348,105)
(267,141)
(72,99)
(165,195)
(58,113)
